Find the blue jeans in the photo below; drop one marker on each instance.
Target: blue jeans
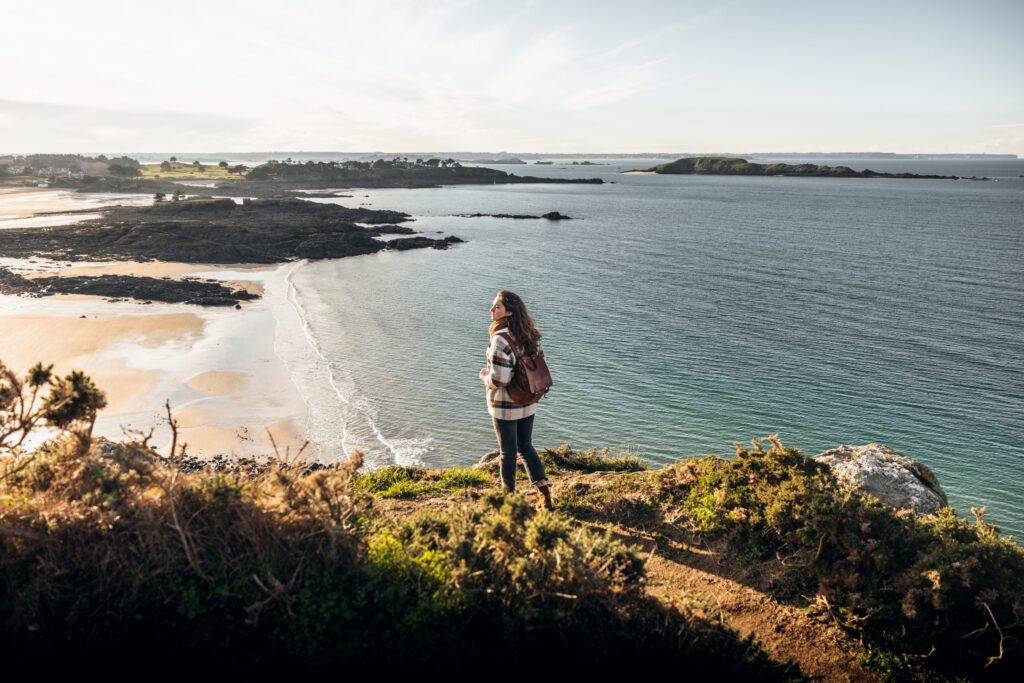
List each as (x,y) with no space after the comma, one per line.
(516,436)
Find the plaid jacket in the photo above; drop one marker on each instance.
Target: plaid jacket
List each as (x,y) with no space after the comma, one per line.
(501,363)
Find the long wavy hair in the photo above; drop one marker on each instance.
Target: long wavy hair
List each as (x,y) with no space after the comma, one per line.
(519,321)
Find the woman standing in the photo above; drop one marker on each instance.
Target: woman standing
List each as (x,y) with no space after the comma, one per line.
(513,422)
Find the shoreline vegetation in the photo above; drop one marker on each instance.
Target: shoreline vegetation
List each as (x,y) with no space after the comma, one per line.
(736,166)
(760,566)
(269,180)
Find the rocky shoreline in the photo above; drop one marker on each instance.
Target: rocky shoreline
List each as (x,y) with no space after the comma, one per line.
(202,230)
(117,287)
(217,231)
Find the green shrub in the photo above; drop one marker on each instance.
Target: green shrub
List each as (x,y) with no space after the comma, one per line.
(397,481)
(566,459)
(453,479)
(381,480)
(909,584)
(527,580)
(115,552)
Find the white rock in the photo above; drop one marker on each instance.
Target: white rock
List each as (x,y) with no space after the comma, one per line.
(889,476)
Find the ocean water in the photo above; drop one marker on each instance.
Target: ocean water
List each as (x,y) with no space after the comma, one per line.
(683,313)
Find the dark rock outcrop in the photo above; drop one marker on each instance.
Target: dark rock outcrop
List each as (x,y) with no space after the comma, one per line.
(216,231)
(420,242)
(148,289)
(12,283)
(551,216)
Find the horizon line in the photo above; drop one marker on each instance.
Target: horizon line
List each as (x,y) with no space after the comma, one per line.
(541,154)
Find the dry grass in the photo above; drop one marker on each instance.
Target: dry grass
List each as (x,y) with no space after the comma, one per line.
(183,171)
(111,550)
(106,547)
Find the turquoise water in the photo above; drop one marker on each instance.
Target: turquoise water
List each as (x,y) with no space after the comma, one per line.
(683,313)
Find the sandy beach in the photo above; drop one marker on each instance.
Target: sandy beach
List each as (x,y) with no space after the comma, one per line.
(228,389)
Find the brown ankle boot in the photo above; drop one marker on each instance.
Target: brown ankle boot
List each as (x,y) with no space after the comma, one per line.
(545,502)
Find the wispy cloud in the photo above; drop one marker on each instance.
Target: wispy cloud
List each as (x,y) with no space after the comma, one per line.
(351,74)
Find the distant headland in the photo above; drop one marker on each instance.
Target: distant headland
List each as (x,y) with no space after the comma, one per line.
(732,166)
(274,178)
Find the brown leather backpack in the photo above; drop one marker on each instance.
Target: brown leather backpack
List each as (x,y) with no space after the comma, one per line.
(531,379)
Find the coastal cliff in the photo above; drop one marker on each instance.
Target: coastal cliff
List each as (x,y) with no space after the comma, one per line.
(762,566)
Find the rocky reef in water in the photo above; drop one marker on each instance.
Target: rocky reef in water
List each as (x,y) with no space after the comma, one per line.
(551,216)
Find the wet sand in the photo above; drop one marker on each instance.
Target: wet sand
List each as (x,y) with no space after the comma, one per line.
(218,369)
(218,383)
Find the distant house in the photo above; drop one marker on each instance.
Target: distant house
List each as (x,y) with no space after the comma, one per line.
(15,170)
(57,171)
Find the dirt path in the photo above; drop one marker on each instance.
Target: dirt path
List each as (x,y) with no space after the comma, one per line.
(692,578)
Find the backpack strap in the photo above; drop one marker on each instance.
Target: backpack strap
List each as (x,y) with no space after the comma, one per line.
(511,343)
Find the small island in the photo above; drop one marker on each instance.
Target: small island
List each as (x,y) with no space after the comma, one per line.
(550,215)
(736,166)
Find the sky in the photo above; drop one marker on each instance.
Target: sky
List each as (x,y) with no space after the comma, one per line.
(487,76)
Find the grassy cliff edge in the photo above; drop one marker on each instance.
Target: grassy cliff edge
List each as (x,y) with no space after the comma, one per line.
(112,549)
